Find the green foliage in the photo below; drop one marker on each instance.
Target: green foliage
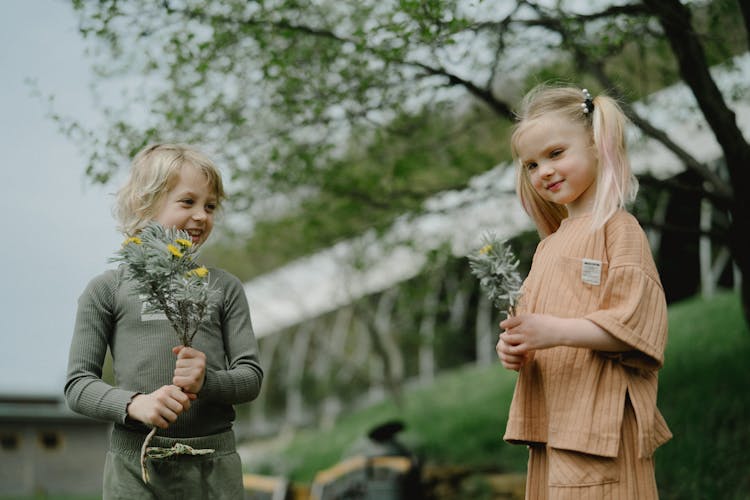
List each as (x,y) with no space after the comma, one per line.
(354,112)
(460,418)
(376,182)
(437,422)
(423,314)
(161,263)
(279,82)
(722,31)
(631,52)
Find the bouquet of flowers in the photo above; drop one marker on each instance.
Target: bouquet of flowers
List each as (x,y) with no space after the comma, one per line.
(161,263)
(496,267)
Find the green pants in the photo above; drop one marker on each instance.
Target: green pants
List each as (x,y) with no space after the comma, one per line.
(214,476)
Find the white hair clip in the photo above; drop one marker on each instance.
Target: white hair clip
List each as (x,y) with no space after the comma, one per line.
(588,103)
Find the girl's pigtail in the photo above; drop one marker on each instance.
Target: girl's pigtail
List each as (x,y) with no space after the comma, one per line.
(617,186)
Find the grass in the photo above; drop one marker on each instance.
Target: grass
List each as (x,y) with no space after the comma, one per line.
(457,420)
(460,418)
(705,398)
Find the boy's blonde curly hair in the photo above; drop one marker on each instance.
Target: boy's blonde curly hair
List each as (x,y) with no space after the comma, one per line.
(154,171)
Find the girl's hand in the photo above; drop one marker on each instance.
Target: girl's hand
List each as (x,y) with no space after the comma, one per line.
(190,369)
(509,357)
(524,334)
(531,332)
(160,408)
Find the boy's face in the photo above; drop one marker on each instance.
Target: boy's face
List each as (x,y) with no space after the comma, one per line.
(189,205)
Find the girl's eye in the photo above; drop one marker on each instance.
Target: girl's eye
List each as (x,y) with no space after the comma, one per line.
(187,201)
(530,165)
(210,207)
(556,152)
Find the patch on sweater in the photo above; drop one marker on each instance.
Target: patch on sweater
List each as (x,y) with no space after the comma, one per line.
(149,312)
(591,271)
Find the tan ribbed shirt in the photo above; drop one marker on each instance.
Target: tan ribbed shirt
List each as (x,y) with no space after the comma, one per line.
(574,398)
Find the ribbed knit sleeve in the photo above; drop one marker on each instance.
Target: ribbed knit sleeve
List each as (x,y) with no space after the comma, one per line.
(85,391)
(241,380)
(632,306)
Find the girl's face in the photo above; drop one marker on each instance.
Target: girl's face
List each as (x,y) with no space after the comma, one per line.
(560,162)
(189,205)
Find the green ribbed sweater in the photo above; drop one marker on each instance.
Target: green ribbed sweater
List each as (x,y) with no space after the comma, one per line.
(109,315)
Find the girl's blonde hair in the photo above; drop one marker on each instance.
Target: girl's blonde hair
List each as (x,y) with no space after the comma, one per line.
(616,186)
(154,171)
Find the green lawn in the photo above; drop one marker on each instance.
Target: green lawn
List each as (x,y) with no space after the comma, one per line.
(460,419)
(705,397)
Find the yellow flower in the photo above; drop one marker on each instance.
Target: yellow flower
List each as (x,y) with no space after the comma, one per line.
(201,272)
(174,250)
(485,249)
(134,239)
(184,242)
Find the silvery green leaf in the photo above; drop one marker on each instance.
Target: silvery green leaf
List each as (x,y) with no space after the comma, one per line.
(160,262)
(496,267)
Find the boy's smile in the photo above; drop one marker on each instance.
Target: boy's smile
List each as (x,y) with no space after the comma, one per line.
(189,205)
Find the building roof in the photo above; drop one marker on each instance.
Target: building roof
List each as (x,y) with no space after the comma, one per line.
(37,408)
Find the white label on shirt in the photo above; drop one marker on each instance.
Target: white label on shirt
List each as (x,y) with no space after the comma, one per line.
(591,271)
(153,316)
(150,316)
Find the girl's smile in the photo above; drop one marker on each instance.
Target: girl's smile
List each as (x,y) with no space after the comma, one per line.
(560,161)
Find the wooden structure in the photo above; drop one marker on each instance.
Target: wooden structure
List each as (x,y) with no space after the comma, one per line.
(47,449)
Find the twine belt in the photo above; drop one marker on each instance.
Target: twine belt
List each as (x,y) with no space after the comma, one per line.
(176,449)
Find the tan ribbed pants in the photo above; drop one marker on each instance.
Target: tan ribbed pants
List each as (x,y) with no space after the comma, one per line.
(555,474)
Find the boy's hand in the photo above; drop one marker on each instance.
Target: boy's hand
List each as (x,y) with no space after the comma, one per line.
(190,369)
(160,408)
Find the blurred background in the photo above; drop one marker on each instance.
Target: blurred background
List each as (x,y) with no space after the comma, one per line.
(365,149)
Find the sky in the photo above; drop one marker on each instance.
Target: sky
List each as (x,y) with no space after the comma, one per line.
(58,231)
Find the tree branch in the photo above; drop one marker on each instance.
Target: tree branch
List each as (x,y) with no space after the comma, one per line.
(675,20)
(485,95)
(720,188)
(613,11)
(745,9)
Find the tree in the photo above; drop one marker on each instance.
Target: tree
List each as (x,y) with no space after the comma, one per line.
(352,106)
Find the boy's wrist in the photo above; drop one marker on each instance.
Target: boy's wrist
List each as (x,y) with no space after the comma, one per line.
(208,387)
(129,406)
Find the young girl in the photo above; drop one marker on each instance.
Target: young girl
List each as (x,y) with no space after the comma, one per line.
(591,326)
(186,392)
